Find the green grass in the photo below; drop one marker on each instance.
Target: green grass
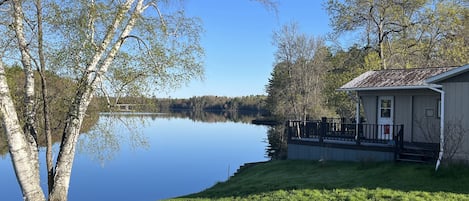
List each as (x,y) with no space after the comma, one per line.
(310,180)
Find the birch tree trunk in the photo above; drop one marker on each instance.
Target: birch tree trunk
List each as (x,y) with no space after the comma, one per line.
(45,96)
(29,112)
(23,155)
(83,97)
(23,145)
(97,49)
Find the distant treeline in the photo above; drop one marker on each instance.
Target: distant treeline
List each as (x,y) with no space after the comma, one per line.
(253,103)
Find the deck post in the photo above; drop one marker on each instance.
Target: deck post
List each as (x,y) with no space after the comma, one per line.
(342,125)
(398,141)
(323,129)
(357,119)
(396,144)
(401,137)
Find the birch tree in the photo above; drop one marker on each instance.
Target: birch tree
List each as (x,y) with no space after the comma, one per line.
(80,40)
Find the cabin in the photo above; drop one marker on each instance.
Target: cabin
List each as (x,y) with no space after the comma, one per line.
(419,115)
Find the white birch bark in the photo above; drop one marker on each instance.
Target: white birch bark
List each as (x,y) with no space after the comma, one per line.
(29,132)
(45,92)
(83,98)
(29,114)
(22,156)
(23,145)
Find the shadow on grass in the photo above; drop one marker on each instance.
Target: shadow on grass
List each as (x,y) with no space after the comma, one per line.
(311,175)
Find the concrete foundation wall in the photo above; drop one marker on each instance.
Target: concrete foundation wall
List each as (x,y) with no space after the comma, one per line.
(309,152)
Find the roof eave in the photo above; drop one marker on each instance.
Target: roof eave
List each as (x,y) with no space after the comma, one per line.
(447,74)
(384,88)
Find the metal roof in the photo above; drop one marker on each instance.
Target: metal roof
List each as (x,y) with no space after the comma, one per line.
(448,74)
(394,79)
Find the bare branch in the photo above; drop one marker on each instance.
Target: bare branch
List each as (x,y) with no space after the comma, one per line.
(2,2)
(271,6)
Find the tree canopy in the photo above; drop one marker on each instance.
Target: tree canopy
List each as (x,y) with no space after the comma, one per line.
(296,79)
(106,47)
(406,34)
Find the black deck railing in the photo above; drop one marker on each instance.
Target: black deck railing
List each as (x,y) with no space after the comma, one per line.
(339,130)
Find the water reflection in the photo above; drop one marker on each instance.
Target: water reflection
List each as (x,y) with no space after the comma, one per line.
(217,115)
(144,156)
(276,137)
(57,129)
(3,144)
(104,141)
(277,142)
(184,157)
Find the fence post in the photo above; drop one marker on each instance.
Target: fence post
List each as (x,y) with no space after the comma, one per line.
(358,130)
(396,143)
(307,129)
(342,125)
(357,134)
(399,140)
(401,137)
(323,129)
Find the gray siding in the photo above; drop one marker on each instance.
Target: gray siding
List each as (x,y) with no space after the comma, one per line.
(457,112)
(309,152)
(460,78)
(415,109)
(426,124)
(403,114)
(370,108)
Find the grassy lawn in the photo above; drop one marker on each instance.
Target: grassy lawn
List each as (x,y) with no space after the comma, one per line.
(312,180)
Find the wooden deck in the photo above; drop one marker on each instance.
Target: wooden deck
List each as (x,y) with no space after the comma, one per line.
(340,134)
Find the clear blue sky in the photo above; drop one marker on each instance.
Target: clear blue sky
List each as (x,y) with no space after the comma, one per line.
(238,43)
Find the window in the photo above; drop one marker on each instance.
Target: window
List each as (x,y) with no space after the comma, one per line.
(386,108)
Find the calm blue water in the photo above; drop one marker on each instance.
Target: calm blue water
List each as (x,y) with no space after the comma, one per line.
(148,158)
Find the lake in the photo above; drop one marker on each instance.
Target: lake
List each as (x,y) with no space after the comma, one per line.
(152,157)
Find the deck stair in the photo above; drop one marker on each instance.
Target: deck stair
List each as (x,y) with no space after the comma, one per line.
(417,155)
